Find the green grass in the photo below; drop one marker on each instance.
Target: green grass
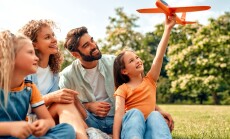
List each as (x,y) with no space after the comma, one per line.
(200,121)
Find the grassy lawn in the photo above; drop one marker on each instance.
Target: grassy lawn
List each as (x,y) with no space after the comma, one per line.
(200,121)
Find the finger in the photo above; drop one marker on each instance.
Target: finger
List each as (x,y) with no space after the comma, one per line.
(172,126)
(66,101)
(104,104)
(71,91)
(103,114)
(67,97)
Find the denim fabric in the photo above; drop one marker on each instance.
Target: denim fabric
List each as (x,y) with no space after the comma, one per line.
(104,124)
(61,131)
(72,77)
(52,88)
(17,105)
(134,126)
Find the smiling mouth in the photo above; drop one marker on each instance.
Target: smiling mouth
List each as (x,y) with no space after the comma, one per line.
(54,46)
(94,51)
(138,66)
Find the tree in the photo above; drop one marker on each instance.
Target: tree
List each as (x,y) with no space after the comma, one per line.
(68,58)
(200,60)
(121,34)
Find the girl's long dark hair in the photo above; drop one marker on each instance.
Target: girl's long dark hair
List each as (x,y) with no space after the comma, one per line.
(119,64)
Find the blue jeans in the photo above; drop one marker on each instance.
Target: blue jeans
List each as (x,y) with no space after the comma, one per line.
(105,124)
(134,126)
(60,131)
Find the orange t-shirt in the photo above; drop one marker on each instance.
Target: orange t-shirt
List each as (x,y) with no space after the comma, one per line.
(142,97)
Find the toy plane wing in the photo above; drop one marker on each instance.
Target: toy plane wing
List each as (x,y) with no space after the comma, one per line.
(175,9)
(163,7)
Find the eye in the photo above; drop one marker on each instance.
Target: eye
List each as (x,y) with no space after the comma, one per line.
(86,45)
(31,51)
(92,40)
(47,37)
(131,60)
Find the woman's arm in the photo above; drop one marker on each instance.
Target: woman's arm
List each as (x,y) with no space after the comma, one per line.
(60,96)
(119,113)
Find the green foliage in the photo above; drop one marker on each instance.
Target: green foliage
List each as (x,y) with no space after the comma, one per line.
(196,68)
(121,35)
(151,40)
(200,60)
(68,58)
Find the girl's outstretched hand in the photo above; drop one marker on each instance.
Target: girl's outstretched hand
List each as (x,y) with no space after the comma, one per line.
(170,21)
(21,129)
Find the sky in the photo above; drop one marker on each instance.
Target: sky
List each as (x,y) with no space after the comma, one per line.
(94,14)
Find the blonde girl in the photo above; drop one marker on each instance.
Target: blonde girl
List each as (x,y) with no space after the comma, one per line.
(17,60)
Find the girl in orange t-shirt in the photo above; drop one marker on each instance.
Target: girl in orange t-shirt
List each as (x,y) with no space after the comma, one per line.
(135,95)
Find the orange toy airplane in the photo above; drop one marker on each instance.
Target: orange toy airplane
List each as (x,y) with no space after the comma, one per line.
(163,7)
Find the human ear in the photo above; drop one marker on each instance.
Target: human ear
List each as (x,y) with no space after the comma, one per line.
(35,45)
(76,54)
(124,71)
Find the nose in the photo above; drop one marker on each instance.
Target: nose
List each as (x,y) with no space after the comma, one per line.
(138,61)
(93,45)
(54,39)
(36,58)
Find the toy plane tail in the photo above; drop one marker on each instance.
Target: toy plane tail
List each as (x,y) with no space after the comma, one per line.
(183,20)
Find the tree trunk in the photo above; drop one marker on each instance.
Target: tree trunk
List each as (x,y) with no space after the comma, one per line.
(215,98)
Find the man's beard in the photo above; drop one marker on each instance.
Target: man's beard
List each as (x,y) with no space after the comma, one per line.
(90,57)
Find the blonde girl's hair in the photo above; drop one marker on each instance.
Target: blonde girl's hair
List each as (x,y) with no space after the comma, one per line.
(9,46)
(31,30)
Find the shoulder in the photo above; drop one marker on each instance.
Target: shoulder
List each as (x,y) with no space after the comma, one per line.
(107,59)
(121,90)
(148,78)
(69,68)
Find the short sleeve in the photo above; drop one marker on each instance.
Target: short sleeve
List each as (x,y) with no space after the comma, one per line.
(121,91)
(149,77)
(36,97)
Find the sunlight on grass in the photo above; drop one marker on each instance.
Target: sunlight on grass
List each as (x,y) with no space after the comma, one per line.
(200,121)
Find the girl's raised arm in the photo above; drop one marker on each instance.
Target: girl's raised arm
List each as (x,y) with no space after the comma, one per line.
(158,60)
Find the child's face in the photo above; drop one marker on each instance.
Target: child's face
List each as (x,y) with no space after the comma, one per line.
(133,64)
(46,42)
(26,61)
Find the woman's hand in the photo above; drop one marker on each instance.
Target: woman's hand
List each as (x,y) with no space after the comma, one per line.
(61,96)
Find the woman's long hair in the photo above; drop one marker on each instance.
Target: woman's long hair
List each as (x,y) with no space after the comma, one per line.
(31,30)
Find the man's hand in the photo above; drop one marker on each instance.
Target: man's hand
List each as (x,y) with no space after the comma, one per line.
(168,119)
(100,109)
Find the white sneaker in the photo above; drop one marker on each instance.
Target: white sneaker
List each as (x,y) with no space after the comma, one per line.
(94,133)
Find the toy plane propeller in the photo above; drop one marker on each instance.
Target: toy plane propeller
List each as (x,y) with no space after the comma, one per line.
(163,7)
